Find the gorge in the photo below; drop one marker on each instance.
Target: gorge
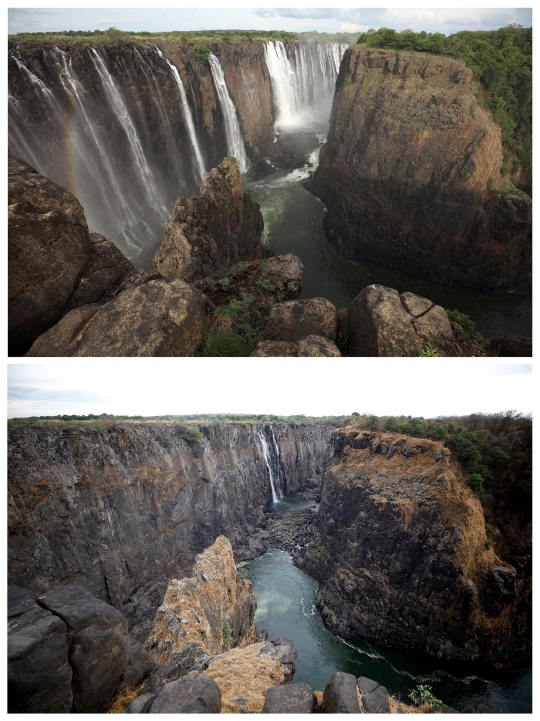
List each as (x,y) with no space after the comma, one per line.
(122,508)
(134,125)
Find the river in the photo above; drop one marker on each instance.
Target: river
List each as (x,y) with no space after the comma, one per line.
(286,607)
(292,220)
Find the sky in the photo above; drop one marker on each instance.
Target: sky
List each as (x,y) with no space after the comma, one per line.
(444,20)
(163,386)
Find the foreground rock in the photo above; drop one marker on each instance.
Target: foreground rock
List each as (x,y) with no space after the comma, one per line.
(207,613)
(381,322)
(294,320)
(340,694)
(159,318)
(312,346)
(411,173)
(290,699)
(54,264)
(219,228)
(400,551)
(192,694)
(66,654)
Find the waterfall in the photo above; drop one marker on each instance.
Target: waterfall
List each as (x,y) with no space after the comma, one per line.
(235,141)
(268,465)
(281,485)
(303,77)
(187,112)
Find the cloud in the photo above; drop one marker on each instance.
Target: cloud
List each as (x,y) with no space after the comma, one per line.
(352,28)
(34,394)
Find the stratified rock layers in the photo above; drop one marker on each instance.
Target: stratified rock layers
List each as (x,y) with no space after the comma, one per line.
(123,509)
(401,553)
(411,173)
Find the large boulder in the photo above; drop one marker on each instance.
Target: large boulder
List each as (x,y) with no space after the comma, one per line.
(54,264)
(191,694)
(312,346)
(340,694)
(382,322)
(159,318)
(296,319)
(218,228)
(99,647)
(512,346)
(39,672)
(298,698)
(106,267)
(48,248)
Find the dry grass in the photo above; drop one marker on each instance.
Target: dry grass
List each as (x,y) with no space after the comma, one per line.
(397,706)
(244,678)
(122,701)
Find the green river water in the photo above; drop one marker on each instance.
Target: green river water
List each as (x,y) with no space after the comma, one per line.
(286,607)
(292,219)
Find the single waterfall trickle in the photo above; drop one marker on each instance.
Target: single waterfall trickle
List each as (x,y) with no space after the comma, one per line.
(266,455)
(303,78)
(235,142)
(279,468)
(187,112)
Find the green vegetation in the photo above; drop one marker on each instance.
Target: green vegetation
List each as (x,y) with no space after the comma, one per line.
(476,482)
(428,351)
(468,325)
(240,341)
(500,59)
(201,52)
(227,630)
(422,694)
(193,437)
(231,159)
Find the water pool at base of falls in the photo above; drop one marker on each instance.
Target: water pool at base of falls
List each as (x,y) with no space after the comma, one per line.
(286,607)
(292,224)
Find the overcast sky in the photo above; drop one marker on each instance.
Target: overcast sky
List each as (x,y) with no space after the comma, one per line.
(130,17)
(161,386)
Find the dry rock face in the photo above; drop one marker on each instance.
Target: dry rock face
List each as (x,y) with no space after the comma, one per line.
(123,509)
(48,248)
(382,322)
(401,551)
(212,610)
(312,346)
(295,320)
(158,318)
(220,227)
(411,173)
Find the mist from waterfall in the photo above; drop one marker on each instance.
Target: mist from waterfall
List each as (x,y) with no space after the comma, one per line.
(264,446)
(303,77)
(235,141)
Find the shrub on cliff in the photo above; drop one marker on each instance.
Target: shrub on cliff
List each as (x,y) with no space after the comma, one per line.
(201,53)
(475,482)
(193,437)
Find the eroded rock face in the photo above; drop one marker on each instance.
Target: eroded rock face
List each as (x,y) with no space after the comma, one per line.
(381,322)
(312,346)
(212,610)
(106,267)
(159,318)
(218,228)
(401,550)
(411,173)
(48,248)
(131,505)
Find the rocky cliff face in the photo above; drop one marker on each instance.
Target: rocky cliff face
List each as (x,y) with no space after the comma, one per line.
(124,509)
(401,553)
(411,173)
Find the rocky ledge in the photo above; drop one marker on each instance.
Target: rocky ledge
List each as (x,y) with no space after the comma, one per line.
(213,292)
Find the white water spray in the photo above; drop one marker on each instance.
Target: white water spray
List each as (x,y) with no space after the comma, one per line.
(279,469)
(303,78)
(235,141)
(267,459)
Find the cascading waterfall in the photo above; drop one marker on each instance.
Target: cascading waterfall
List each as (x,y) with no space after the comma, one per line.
(281,484)
(266,455)
(303,77)
(235,141)
(187,112)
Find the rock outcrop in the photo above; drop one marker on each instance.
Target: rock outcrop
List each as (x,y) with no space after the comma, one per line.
(220,227)
(66,652)
(159,318)
(124,508)
(54,264)
(297,319)
(209,612)
(382,322)
(401,553)
(411,173)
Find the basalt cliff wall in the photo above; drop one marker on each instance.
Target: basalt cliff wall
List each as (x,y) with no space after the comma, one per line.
(124,509)
(411,173)
(400,552)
